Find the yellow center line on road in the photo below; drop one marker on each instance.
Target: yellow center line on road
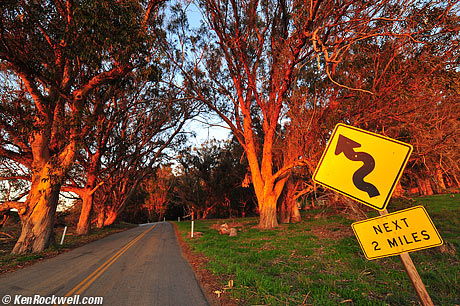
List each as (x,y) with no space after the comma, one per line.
(84,284)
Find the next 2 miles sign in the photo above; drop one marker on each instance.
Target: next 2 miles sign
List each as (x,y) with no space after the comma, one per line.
(403,231)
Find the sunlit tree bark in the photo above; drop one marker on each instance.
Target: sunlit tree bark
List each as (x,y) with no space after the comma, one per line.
(248,64)
(56,58)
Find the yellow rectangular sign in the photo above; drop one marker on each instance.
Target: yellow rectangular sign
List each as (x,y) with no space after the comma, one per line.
(362,165)
(402,231)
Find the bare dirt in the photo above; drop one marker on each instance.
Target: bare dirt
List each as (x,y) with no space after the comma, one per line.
(336,232)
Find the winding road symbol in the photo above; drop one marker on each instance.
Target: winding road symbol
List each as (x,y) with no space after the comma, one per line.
(347,146)
(369,169)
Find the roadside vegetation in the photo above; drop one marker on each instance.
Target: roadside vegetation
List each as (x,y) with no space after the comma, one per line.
(100,102)
(10,232)
(318,261)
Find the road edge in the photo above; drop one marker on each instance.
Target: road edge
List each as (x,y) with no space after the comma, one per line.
(47,254)
(208,281)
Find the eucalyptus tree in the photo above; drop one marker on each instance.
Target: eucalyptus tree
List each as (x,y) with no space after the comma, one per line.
(149,126)
(158,188)
(416,93)
(211,180)
(56,54)
(250,55)
(136,122)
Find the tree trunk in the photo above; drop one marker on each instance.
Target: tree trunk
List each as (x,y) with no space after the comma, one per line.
(283,215)
(84,222)
(424,186)
(456,180)
(48,172)
(289,212)
(428,188)
(294,212)
(101,218)
(292,209)
(452,181)
(268,213)
(440,179)
(110,217)
(38,219)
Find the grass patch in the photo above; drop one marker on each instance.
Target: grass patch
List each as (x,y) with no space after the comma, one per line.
(319,262)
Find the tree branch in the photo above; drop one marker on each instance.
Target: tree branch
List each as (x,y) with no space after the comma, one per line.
(283,171)
(16,177)
(19,158)
(100,79)
(148,12)
(20,206)
(96,188)
(74,189)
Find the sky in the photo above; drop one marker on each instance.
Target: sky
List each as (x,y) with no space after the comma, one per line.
(203,131)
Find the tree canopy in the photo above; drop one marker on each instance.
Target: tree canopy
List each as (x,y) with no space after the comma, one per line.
(95,96)
(251,60)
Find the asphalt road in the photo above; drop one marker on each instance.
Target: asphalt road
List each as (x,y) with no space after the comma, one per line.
(140,266)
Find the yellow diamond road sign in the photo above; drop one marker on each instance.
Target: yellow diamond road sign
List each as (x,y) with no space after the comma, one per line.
(403,231)
(362,165)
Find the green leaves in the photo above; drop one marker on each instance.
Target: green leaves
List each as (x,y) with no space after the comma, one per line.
(108,30)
